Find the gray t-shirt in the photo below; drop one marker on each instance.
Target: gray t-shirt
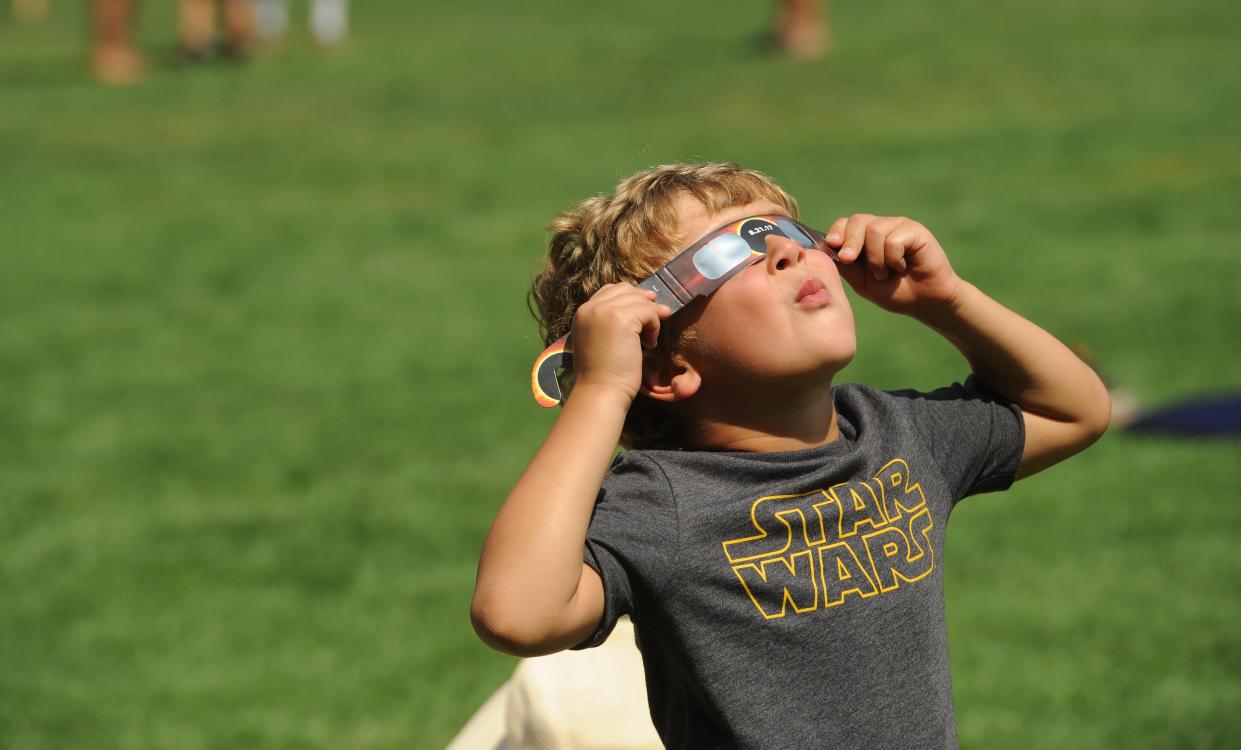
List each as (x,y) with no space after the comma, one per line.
(795,599)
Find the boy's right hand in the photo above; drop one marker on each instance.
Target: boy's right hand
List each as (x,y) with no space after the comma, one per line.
(609,333)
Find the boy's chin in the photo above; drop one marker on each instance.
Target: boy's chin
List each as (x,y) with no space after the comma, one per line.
(838,357)
(833,369)
(825,372)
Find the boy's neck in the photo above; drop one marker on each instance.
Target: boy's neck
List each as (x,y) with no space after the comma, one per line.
(786,422)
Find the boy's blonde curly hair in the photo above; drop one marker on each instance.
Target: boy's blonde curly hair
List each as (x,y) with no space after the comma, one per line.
(626,237)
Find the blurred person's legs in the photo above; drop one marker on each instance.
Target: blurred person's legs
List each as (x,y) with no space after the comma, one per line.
(239,25)
(197,26)
(802,29)
(114,58)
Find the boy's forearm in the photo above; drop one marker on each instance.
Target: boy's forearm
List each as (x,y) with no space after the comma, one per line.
(531,562)
(1021,362)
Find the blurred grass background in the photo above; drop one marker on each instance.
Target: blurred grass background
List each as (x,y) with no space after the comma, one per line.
(264,350)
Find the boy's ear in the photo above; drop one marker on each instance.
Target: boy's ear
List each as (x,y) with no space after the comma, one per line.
(668,379)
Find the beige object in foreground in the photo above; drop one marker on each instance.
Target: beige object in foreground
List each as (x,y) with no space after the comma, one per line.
(573,700)
(30,12)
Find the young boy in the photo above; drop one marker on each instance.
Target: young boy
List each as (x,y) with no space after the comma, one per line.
(777,540)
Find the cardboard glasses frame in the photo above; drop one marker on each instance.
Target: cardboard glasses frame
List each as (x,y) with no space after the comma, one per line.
(697,272)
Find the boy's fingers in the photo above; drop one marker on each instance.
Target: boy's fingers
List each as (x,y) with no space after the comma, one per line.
(625,302)
(876,239)
(855,236)
(836,232)
(894,247)
(912,237)
(649,318)
(640,312)
(608,291)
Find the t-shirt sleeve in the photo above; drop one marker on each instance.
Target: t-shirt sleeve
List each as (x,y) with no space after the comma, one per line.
(976,436)
(632,539)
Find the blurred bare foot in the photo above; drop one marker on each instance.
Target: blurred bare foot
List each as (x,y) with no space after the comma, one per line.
(117,66)
(1124,408)
(800,29)
(807,42)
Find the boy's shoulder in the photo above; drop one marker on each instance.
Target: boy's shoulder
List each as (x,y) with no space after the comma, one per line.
(961,395)
(870,418)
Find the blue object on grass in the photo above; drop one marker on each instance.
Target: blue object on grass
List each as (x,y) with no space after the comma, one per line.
(1218,415)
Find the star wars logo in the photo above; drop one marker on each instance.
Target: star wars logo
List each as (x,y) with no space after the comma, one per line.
(820,549)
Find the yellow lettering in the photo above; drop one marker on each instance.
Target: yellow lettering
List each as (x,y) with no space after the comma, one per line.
(896,556)
(814,550)
(899,494)
(858,505)
(850,577)
(774,584)
(776,518)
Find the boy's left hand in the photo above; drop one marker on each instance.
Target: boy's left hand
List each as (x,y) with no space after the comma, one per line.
(894,262)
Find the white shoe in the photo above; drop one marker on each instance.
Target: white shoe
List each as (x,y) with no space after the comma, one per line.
(329,21)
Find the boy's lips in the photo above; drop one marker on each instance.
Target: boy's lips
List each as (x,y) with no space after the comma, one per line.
(813,293)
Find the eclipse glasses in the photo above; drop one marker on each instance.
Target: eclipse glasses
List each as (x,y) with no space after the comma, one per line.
(697,272)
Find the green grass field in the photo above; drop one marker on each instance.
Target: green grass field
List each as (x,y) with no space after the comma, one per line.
(264,349)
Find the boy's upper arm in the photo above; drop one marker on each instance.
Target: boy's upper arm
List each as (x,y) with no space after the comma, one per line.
(587,609)
(1048,442)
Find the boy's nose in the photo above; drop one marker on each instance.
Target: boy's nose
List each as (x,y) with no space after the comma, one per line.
(783,253)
